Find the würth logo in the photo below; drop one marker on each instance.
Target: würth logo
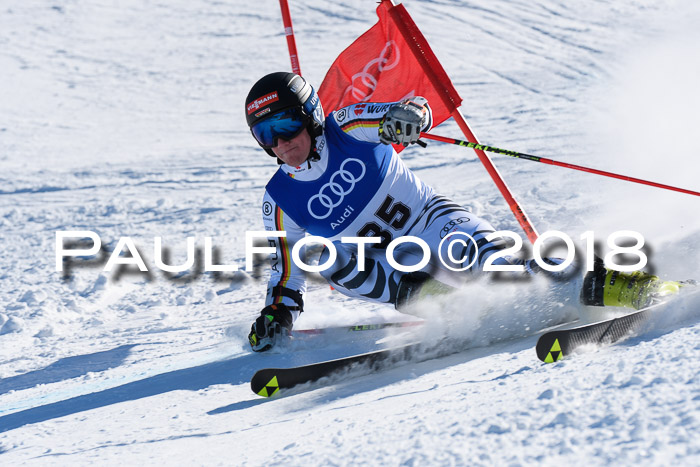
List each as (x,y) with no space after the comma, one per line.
(262,101)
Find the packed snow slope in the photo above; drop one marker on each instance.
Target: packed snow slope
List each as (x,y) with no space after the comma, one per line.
(126,119)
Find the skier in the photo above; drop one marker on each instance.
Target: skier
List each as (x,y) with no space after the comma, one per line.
(340,177)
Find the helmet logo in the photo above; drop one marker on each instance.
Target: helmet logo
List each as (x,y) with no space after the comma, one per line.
(262,102)
(262,112)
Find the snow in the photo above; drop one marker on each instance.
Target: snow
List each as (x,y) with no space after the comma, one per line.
(127,120)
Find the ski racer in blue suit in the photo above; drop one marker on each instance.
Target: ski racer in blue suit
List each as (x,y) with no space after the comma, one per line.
(340,177)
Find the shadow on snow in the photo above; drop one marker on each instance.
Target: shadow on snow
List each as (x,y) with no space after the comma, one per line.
(67,368)
(234,371)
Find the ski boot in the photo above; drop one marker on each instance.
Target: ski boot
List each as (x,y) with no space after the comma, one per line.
(638,289)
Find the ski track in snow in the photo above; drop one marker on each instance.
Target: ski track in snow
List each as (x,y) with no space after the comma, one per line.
(127,120)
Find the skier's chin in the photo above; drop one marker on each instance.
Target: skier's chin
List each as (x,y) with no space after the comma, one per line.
(293,157)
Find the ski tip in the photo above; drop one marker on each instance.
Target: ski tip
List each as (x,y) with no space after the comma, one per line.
(263,385)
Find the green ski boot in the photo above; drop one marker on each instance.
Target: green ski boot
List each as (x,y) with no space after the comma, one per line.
(638,289)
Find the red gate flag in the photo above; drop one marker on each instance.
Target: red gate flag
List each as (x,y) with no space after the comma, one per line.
(392,61)
(381,67)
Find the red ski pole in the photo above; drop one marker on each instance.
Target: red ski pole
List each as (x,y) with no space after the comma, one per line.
(543,160)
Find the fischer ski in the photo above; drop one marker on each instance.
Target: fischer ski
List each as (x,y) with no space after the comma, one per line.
(552,346)
(269,381)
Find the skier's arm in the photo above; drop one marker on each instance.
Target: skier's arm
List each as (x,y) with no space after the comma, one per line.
(287,282)
(362,121)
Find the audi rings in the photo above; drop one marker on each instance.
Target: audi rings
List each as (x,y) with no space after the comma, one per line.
(325,199)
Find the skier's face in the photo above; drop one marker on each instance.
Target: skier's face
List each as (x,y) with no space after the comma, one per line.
(295,151)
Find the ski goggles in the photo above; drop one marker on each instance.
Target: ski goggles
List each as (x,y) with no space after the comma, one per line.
(287,124)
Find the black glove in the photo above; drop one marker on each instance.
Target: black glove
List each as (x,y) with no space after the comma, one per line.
(274,320)
(403,122)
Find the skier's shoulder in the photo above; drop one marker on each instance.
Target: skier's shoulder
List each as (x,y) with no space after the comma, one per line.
(359,122)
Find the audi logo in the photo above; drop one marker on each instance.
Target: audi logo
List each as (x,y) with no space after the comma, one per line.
(325,201)
(368,80)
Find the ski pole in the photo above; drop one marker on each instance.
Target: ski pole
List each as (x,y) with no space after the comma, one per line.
(544,160)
